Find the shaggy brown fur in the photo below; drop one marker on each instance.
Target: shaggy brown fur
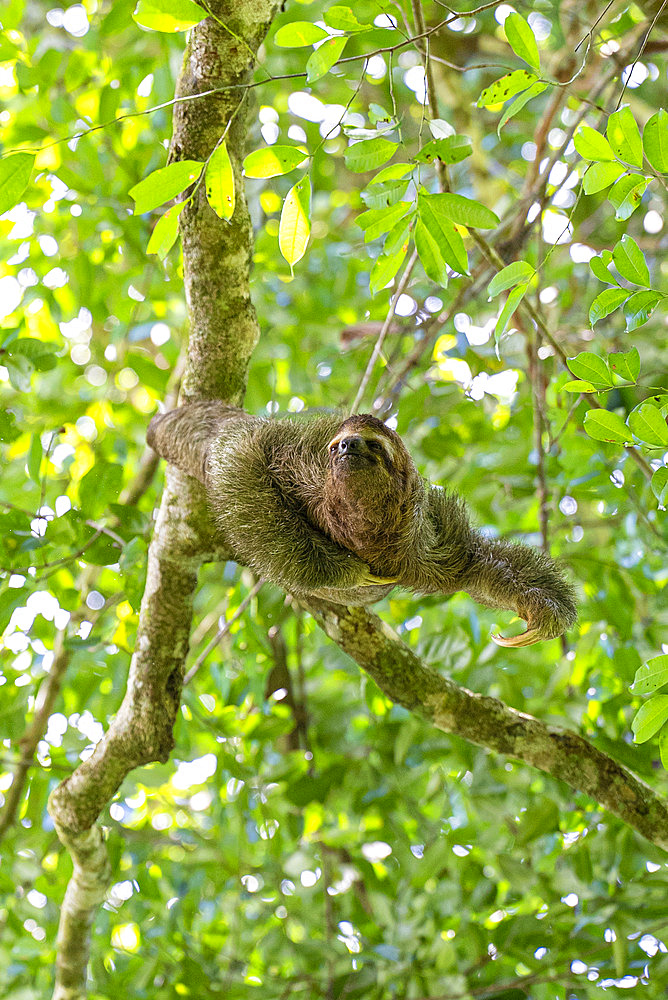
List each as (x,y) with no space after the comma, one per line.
(339,511)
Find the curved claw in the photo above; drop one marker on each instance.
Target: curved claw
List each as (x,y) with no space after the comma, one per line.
(377,581)
(523,639)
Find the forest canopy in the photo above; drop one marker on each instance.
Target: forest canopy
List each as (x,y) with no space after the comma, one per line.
(455,220)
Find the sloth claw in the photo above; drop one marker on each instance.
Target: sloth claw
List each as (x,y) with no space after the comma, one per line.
(523,639)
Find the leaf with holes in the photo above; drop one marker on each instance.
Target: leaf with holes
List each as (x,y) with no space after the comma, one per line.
(452,150)
(626,195)
(506,87)
(219,179)
(651,676)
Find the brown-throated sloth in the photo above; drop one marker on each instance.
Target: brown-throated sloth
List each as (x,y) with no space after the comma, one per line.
(338,510)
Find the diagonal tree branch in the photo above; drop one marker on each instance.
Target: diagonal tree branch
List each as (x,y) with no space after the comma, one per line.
(489,723)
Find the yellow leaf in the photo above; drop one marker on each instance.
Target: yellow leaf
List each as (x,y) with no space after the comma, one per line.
(295,225)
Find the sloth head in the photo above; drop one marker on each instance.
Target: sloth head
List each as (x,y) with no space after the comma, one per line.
(370,483)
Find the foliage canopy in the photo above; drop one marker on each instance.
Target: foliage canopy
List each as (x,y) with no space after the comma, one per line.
(500,219)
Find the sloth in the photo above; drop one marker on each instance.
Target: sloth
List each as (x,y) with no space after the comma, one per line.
(337,510)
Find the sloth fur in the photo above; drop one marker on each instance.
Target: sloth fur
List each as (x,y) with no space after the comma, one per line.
(337,510)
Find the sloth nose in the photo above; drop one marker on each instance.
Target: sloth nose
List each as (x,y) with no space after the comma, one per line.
(352,445)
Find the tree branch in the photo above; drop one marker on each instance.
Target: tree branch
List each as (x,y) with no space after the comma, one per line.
(489,723)
(224,330)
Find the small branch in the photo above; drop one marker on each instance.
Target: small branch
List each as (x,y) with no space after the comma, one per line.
(383,333)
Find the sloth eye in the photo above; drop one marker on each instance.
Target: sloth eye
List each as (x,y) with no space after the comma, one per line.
(375,445)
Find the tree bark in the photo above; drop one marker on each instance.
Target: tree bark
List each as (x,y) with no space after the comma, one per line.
(220,56)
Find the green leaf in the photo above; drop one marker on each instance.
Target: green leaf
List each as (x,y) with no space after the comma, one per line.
(395,171)
(164,184)
(295,225)
(34,462)
(452,150)
(398,235)
(165,231)
(325,56)
(604,425)
(599,176)
(443,231)
(430,255)
(648,425)
(385,268)
(369,153)
(15,173)
(464,211)
(626,195)
(630,261)
(592,145)
(663,748)
(592,369)
(652,675)
(624,137)
(272,161)
(516,106)
(219,180)
(168,15)
(343,19)
(506,87)
(505,316)
(522,39)
(519,272)
(659,485)
(650,718)
(100,487)
(606,302)
(626,365)
(655,141)
(377,221)
(384,195)
(600,270)
(578,385)
(298,34)
(639,307)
